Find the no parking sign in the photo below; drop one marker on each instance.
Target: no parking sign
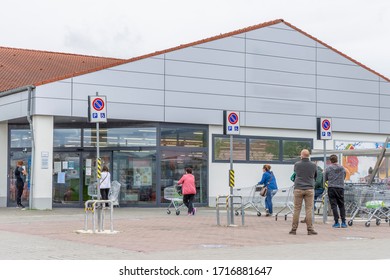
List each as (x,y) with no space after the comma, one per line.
(97,109)
(231,122)
(324,129)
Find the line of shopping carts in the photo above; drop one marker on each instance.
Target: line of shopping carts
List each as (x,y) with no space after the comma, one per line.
(366,203)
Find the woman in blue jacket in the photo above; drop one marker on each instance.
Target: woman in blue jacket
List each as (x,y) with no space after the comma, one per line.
(269,181)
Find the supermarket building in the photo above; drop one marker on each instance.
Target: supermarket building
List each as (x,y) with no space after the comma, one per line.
(165,112)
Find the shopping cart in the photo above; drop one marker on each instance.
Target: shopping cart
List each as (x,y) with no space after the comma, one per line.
(251,198)
(174,195)
(370,202)
(93,191)
(113,195)
(288,207)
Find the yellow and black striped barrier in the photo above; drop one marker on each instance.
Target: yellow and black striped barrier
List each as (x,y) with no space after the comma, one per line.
(99,168)
(231,178)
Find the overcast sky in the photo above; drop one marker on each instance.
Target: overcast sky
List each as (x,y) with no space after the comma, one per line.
(129,28)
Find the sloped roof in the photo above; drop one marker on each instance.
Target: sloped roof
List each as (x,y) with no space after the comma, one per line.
(20,67)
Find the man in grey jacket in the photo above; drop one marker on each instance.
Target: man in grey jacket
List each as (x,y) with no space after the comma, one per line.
(335,175)
(306,173)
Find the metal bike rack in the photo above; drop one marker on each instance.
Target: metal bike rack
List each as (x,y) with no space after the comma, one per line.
(225,200)
(97,210)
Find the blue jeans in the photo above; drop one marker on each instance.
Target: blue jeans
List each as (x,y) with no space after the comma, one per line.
(268,200)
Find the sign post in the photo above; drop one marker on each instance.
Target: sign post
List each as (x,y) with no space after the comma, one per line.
(324,132)
(231,121)
(97,113)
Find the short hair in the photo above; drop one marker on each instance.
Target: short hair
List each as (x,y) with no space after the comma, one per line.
(189,170)
(333,158)
(305,153)
(105,168)
(20,162)
(267,167)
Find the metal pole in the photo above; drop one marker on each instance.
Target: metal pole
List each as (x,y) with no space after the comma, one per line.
(325,211)
(97,157)
(231,188)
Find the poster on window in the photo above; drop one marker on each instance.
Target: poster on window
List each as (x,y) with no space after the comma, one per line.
(142,174)
(359,168)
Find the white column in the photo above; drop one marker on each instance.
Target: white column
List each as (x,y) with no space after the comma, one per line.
(42,173)
(3,163)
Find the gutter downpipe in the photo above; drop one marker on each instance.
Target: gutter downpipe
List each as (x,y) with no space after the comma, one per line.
(29,118)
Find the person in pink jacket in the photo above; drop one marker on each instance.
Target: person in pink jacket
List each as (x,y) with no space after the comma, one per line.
(187,182)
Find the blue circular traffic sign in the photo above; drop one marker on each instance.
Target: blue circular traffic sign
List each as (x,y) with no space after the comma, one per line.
(233,118)
(326,124)
(98,104)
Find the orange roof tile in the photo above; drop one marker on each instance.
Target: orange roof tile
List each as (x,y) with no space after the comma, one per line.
(20,67)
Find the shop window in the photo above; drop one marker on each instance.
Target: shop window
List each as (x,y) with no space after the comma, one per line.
(20,138)
(184,137)
(121,137)
(67,137)
(222,148)
(264,150)
(292,149)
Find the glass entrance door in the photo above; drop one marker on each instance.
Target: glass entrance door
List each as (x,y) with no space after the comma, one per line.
(25,156)
(66,178)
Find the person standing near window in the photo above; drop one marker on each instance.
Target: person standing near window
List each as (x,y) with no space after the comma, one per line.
(105,183)
(20,172)
(187,182)
(269,181)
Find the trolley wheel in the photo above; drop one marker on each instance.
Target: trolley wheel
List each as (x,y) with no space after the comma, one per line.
(378,222)
(177,212)
(285,217)
(367,224)
(259,214)
(168,211)
(386,220)
(236,213)
(276,217)
(350,223)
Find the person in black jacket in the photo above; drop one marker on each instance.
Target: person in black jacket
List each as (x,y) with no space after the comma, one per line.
(305,175)
(19,175)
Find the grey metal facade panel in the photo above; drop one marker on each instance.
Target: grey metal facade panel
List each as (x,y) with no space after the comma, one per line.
(53,106)
(280,78)
(384,127)
(151,65)
(193,115)
(347,98)
(204,101)
(384,101)
(233,44)
(198,85)
(122,79)
(281,33)
(355,125)
(60,90)
(201,70)
(277,49)
(384,87)
(208,56)
(122,111)
(280,92)
(329,55)
(347,111)
(280,121)
(385,114)
(277,106)
(345,70)
(120,94)
(346,84)
(280,64)
(13,110)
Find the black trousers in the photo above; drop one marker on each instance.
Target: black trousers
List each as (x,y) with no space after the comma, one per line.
(336,200)
(188,201)
(104,194)
(19,192)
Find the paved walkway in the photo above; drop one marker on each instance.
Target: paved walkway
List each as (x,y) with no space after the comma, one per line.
(148,234)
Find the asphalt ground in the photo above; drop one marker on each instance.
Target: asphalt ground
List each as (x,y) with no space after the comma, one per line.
(152,234)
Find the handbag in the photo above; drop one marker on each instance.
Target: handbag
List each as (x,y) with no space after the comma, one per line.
(263,191)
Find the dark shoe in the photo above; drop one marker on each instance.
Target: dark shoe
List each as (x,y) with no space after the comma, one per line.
(293,232)
(344,225)
(312,232)
(336,225)
(304,220)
